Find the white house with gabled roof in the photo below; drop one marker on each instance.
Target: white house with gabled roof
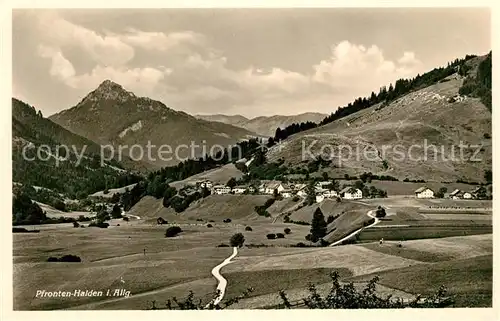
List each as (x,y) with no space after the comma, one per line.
(351,193)
(424,192)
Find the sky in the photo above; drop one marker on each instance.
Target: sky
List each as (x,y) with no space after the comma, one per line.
(252,62)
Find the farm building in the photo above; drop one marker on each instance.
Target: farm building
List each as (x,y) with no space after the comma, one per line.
(207,184)
(268,188)
(330,193)
(458,194)
(286,193)
(351,193)
(239,189)
(479,192)
(320,198)
(424,192)
(221,189)
(302,193)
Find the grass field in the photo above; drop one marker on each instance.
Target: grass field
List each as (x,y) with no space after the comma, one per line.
(174,266)
(420,232)
(469,281)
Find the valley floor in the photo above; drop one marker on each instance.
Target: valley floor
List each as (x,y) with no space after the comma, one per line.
(136,257)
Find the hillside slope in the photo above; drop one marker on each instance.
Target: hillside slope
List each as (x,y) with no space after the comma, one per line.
(264,125)
(112,115)
(77,173)
(396,139)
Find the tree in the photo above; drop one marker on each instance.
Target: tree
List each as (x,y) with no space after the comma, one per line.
(441,192)
(488,176)
(359,185)
(231,182)
(287,230)
(380,212)
(324,175)
(116,212)
(311,194)
(237,240)
(168,194)
(318,224)
(172,231)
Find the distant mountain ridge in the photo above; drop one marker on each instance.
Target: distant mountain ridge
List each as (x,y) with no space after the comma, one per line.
(264,125)
(112,115)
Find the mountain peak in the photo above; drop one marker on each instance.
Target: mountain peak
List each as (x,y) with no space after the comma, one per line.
(109,90)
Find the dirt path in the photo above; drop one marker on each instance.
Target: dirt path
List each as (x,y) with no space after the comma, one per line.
(370,214)
(222,281)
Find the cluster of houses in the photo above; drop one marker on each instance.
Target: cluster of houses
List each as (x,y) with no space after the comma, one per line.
(322,190)
(426,192)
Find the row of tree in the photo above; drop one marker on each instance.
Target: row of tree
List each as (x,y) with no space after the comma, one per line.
(386,94)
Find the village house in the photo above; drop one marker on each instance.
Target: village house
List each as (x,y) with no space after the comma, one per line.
(330,193)
(268,188)
(221,189)
(322,184)
(320,198)
(479,192)
(424,192)
(239,189)
(302,192)
(456,194)
(208,184)
(286,193)
(351,193)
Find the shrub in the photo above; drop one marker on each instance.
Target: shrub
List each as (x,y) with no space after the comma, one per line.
(99,224)
(172,231)
(287,231)
(211,221)
(82,226)
(117,224)
(65,258)
(271,236)
(237,240)
(295,199)
(209,225)
(70,258)
(223,245)
(126,219)
(380,212)
(248,228)
(75,224)
(227,220)
(487,136)
(300,244)
(280,235)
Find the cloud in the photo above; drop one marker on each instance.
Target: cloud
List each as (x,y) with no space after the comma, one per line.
(360,69)
(161,41)
(61,68)
(108,50)
(183,70)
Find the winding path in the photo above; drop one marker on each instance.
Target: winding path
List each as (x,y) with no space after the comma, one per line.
(370,214)
(222,282)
